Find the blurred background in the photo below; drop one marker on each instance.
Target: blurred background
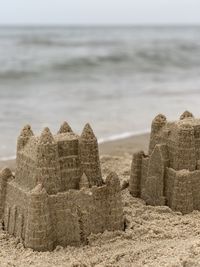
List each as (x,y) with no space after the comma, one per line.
(113,64)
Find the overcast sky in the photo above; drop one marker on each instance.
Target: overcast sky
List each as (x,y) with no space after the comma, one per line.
(99,11)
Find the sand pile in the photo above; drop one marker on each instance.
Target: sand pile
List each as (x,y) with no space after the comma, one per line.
(154,236)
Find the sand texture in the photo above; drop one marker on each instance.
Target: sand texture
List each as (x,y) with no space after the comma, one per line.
(154,236)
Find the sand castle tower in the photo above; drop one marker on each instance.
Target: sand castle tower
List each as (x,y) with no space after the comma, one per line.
(58,196)
(24,137)
(170,174)
(90,156)
(39,231)
(47,163)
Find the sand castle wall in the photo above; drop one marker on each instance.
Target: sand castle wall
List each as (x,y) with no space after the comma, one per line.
(16,210)
(25,172)
(67,218)
(76,214)
(69,161)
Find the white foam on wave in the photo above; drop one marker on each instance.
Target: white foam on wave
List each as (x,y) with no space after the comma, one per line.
(7,158)
(121,136)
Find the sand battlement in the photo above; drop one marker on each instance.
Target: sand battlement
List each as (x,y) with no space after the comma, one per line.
(58,196)
(57,161)
(170,173)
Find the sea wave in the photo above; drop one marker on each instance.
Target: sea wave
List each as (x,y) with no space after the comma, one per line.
(89,61)
(158,58)
(16,74)
(139,62)
(173,92)
(42,42)
(55,41)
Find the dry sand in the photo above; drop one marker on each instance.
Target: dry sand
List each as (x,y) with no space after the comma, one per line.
(154,236)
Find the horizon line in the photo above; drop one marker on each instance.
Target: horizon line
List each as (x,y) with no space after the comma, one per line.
(100,25)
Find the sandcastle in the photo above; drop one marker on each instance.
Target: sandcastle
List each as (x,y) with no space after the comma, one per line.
(58,196)
(170,174)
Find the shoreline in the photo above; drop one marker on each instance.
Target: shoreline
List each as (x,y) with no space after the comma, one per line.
(118,147)
(124,135)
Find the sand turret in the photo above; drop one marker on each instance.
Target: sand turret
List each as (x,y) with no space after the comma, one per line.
(48,172)
(185,158)
(115,213)
(39,236)
(25,135)
(90,156)
(157,124)
(65,128)
(135,180)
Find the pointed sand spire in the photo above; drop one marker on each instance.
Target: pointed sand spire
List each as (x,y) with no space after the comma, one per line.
(186,114)
(84,183)
(46,137)
(25,135)
(26,131)
(88,132)
(65,128)
(160,119)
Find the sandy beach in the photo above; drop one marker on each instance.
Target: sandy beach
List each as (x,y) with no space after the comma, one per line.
(154,236)
(126,145)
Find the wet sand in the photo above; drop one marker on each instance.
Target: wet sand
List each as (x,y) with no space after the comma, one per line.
(126,145)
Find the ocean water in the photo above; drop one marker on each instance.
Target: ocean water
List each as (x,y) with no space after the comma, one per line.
(116,78)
